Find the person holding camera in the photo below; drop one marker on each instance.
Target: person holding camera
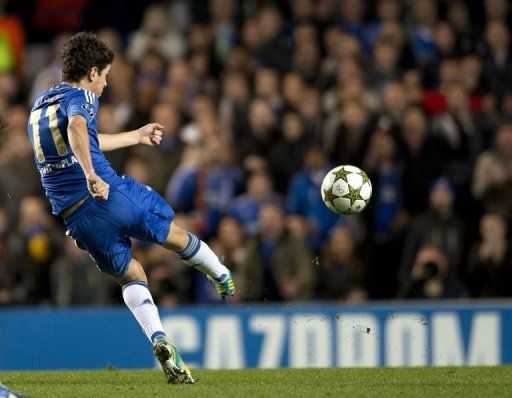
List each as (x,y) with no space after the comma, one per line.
(430,277)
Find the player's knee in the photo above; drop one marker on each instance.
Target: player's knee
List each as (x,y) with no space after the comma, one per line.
(177,238)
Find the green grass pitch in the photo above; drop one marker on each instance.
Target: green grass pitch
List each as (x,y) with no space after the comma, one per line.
(384,382)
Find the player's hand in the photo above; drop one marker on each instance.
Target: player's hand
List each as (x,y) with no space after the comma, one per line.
(98,188)
(151,134)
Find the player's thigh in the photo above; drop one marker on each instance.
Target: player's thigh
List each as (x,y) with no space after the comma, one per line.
(104,241)
(153,214)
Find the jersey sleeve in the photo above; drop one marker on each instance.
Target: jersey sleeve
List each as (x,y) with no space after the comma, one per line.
(83,103)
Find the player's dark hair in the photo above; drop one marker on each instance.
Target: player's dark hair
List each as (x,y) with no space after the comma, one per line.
(81,53)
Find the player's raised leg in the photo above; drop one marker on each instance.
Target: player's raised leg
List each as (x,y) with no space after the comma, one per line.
(196,253)
(137,297)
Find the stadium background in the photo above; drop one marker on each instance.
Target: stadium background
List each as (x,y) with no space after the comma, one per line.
(259,100)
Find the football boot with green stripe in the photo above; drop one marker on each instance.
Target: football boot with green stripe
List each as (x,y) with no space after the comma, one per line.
(224,285)
(173,366)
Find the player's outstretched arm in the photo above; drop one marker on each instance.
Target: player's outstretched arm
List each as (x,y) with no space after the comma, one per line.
(79,142)
(150,134)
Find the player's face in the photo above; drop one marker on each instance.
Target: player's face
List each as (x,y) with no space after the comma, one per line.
(99,80)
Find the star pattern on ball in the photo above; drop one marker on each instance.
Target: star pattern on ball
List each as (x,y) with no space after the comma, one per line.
(330,197)
(341,174)
(353,195)
(365,178)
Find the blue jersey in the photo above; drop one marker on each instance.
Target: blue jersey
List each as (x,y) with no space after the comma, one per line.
(61,175)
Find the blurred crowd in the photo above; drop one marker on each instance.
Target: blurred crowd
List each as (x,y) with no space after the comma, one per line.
(259,100)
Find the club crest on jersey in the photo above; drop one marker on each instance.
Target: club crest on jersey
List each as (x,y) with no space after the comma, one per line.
(88,108)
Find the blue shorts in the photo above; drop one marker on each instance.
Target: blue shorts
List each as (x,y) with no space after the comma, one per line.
(104,227)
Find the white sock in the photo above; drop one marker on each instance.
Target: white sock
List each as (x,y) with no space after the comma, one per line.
(199,255)
(137,297)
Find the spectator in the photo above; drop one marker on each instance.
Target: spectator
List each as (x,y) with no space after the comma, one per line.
(463,134)
(472,79)
(338,46)
(305,200)
(496,9)
(209,187)
(246,207)
(138,168)
(76,281)
(231,239)
(287,155)
(394,102)
(462,131)
(277,266)
(497,56)
(352,17)
(156,34)
(36,248)
(310,112)
(164,158)
(50,74)
(425,16)
(306,54)
(109,123)
(293,89)
(203,123)
(414,90)
(493,174)
(351,135)
(252,38)
(423,159)
(386,173)
(386,214)
(233,105)
(437,227)
(387,11)
(386,68)
(222,14)
(16,157)
(256,143)
(445,48)
(266,86)
(395,32)
(342,272)
(302,10)
(459,18)
(149,80)
(490,262)
(273,51)
(229,245)
(172,283)
(431,278)
(119,92)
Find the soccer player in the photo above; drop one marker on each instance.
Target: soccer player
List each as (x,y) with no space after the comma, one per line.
(100,209)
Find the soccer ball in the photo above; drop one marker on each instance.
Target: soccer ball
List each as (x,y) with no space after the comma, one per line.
(346,190)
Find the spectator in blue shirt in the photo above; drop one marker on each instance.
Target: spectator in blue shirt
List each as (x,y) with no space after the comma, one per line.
(305,199)
(246,207)
(208,188)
